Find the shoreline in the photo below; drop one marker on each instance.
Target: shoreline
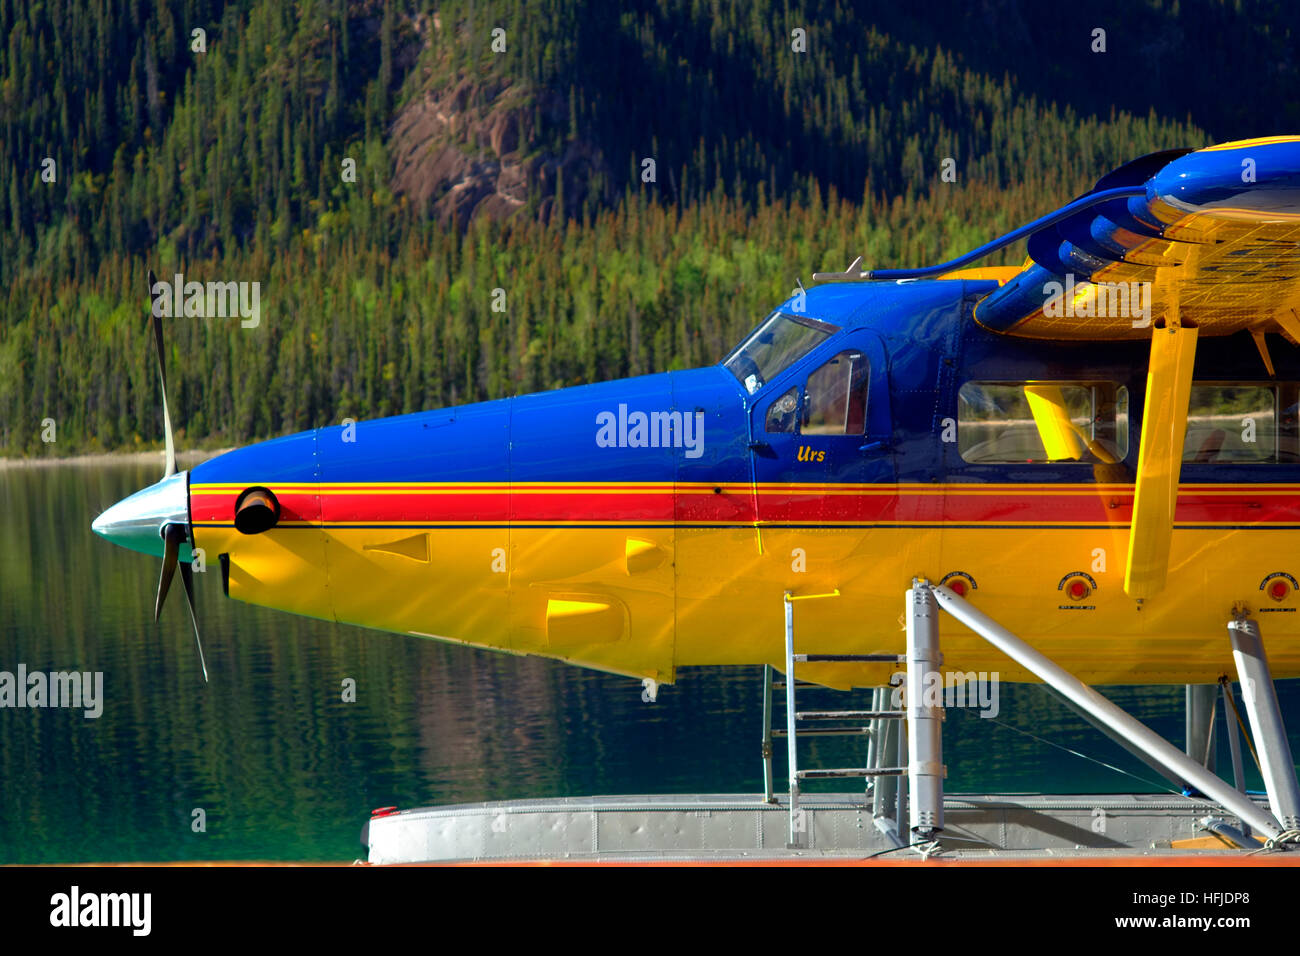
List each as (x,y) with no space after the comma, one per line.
(111,458)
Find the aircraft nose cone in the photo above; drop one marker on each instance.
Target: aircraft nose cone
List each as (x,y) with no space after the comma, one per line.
(135,522)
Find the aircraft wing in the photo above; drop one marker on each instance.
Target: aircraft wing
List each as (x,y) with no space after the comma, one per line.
(1192,244)
(1211,236)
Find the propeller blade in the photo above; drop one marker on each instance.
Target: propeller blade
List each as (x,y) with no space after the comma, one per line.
(162,377)
(173,535)
(187,578)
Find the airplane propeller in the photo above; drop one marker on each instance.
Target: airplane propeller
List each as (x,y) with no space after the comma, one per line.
(174,534)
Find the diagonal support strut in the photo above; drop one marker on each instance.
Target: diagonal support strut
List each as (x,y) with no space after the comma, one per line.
(1107,713)
(1265,720)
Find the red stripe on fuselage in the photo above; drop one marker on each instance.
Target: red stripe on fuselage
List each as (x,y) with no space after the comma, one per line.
(733,504)
(219,507)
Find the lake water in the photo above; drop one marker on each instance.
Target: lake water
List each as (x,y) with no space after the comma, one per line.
(285,770)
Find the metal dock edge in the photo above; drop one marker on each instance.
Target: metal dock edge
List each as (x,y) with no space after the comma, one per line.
(739,827)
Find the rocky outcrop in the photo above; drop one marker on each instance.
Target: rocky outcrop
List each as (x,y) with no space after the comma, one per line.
(469,150)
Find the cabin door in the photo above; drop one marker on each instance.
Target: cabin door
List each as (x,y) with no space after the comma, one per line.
(822,433)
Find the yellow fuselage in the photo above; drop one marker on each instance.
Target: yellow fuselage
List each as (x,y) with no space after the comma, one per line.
(643,601)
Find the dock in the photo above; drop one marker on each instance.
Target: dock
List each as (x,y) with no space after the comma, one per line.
(1142,829)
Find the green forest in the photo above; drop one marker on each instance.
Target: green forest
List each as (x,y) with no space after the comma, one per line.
(459,201)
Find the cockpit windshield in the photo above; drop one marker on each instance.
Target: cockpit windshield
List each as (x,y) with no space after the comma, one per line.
(777,344)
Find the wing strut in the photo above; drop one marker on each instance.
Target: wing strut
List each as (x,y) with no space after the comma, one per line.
(1160,458)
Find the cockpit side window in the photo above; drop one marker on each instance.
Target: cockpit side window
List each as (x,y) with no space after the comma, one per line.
(835,402)
(832,402)
(774,346)
(782,413)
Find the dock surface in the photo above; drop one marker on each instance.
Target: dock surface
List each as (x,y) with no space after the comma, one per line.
(1141,829)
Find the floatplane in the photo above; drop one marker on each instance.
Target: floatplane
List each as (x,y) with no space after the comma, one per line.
(1046,468)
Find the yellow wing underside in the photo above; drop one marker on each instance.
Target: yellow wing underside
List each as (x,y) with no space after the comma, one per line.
(1220,275)
(1215,241)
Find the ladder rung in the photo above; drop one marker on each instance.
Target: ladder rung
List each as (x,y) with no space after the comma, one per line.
(853,772)
(826,732)
(849,658)
(849,714)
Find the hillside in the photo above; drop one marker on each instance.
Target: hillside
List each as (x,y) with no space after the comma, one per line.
(522,170)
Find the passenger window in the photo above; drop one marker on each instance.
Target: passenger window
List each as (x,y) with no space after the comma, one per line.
(781,413)
(1040,422)
(1232,424)
(835,402)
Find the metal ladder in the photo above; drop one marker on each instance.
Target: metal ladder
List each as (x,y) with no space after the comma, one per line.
(886,732)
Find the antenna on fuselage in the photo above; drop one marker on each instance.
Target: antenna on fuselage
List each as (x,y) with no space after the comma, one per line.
(854,273)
